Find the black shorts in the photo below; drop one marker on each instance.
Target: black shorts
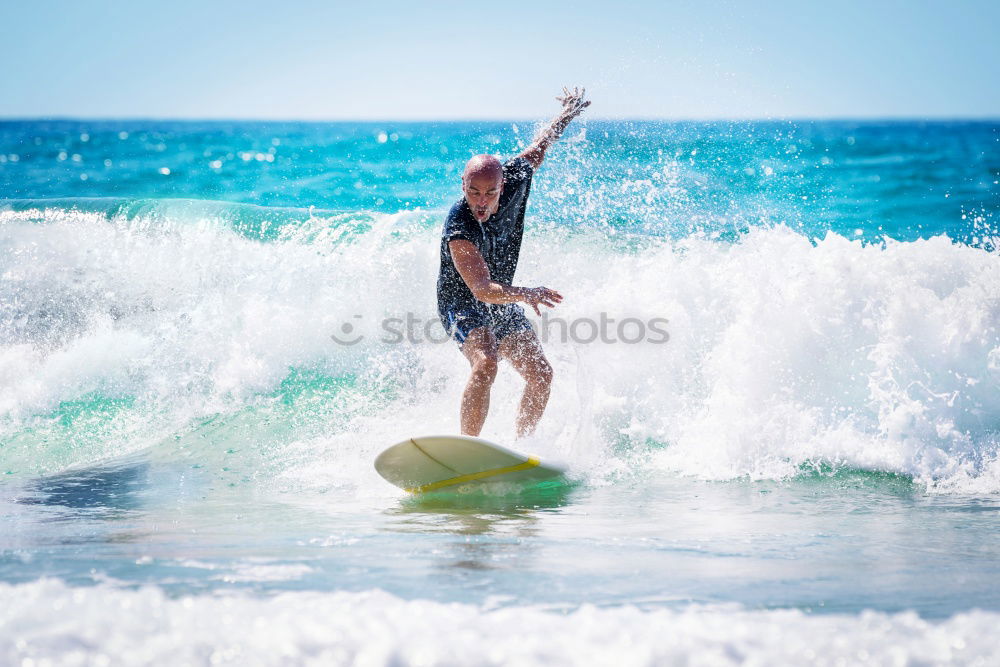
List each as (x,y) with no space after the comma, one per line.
(502,319)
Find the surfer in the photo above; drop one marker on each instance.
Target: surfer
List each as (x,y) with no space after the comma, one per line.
(477,301)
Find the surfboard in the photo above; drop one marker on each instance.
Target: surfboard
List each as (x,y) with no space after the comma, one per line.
(452,462)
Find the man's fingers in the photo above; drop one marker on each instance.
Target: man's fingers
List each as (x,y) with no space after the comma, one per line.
(543,296)
(573,100)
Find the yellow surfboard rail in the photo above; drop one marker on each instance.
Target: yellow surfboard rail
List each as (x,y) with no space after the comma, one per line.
(471,477)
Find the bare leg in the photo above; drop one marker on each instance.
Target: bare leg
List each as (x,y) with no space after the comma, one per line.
(480,348)
(525,354)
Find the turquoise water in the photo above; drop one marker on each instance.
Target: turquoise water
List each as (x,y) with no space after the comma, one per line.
(812,454)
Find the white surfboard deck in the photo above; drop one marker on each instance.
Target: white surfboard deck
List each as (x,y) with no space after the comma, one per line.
(449,462)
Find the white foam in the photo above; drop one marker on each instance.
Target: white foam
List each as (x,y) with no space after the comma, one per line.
(784,351)
(254,569)
(47,622)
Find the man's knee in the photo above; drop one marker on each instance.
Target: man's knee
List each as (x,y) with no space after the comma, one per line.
(541,373)
(484,369)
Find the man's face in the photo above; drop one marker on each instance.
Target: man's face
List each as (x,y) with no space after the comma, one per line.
(483,195)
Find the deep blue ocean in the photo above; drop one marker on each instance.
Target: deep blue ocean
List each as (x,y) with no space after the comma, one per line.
(806,470)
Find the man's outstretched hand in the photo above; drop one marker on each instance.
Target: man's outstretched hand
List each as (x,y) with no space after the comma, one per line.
(573,101)
(541,296)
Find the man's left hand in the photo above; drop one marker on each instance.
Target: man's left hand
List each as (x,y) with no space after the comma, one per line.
(573,101)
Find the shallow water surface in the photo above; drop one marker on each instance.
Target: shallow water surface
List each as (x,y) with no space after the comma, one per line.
(840,543)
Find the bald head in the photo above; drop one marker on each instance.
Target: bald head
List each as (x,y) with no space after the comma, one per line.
(483,166)
(482,183)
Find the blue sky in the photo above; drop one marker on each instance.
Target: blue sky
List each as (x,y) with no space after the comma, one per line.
(500,60)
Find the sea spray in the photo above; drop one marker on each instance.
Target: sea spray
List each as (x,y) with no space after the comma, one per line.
(778,351)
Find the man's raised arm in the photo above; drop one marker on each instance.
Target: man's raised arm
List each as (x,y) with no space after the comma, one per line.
(573,103)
